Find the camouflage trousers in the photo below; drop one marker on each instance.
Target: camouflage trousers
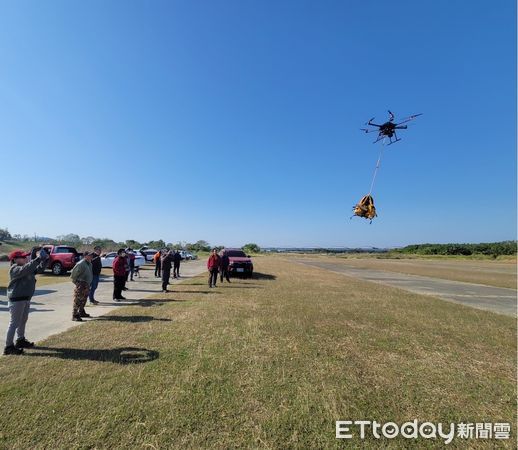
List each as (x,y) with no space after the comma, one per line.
(81,292)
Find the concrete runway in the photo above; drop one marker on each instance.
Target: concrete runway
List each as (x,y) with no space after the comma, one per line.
(495,299)
(51,306)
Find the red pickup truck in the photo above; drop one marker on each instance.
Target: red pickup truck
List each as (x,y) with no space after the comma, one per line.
(62,258)
(239,262)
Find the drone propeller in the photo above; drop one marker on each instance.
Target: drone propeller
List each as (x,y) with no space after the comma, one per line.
(391,116)
(369,131)
(409,118)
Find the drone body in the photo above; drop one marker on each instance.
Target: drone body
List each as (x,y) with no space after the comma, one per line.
(365,207)
(388,129)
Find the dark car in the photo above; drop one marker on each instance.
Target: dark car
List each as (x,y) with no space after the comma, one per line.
(239,262)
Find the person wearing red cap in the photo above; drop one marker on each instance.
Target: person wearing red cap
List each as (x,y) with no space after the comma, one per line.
(22,284)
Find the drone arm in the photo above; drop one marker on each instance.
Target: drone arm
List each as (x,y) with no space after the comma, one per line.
(401,127)
(408,119)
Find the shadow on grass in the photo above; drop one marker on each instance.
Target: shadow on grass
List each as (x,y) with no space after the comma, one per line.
(130,319)
(239,286)
(144,290)
(263,276)
(179,291)
(124,355)
(159,301)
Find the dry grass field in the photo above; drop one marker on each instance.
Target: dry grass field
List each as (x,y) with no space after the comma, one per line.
(265,363)
(493,273)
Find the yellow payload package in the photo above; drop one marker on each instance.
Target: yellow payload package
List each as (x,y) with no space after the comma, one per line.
(365,208)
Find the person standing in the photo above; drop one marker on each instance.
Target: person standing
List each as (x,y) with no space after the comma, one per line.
(224,262)
(119,274)
(213,266)
(131,261)
(177,259)
(167,262)
(127,269)
(22,284)
(96,274)
(81,276)
(158,263)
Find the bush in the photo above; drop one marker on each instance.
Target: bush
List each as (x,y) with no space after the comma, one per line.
(492,249)
(4,234)
(251,248)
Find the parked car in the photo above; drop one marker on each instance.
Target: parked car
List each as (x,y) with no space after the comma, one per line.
(239,262)
(187,255)
(62,258)
(108,258)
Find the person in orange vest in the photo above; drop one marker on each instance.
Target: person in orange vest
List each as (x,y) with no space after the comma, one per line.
(157,259)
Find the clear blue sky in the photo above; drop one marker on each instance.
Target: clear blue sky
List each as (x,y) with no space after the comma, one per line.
(238,121)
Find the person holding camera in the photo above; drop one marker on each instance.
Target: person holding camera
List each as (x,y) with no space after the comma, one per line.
(22,284)
(157,259)
(177,259)
(167,261)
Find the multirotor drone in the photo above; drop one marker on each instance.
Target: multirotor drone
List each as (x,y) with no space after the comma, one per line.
(388,129)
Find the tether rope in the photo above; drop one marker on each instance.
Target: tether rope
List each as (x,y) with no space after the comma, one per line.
(377,166)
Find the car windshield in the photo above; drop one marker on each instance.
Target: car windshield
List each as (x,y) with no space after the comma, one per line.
(65,250)
(236,254)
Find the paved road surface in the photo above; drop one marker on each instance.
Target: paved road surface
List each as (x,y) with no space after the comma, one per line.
(51,307)
(496,299)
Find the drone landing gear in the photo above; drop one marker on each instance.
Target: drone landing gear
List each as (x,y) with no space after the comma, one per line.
(394,141)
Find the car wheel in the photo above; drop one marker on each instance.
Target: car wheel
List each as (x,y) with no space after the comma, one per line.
(57,269)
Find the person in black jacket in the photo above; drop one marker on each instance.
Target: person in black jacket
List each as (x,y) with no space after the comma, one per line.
(96,270)
(177,258)
(167,261)
(223,267)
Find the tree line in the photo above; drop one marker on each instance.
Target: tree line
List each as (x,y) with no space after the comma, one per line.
(486,248)
(110,245)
